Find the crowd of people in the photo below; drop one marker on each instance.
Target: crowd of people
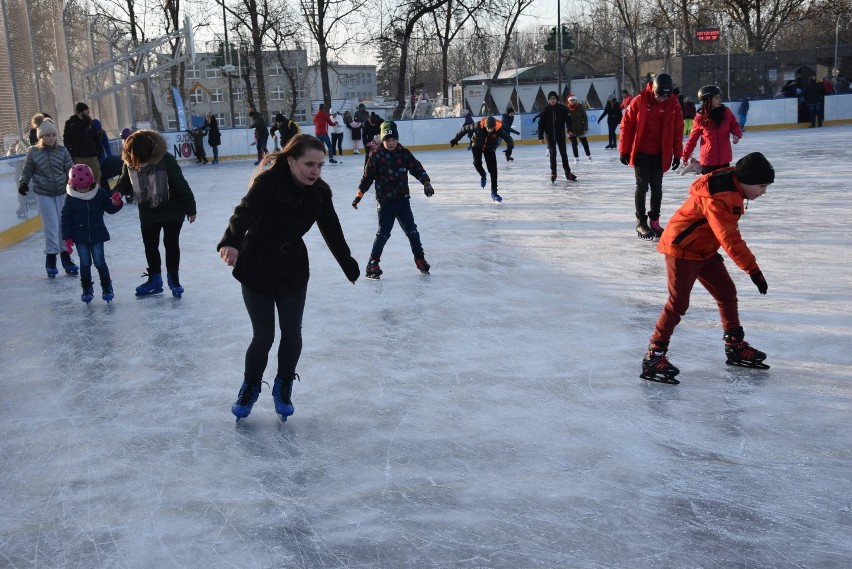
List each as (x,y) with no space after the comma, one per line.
(286,196)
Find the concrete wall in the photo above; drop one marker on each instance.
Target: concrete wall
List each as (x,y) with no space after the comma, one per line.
(424,134)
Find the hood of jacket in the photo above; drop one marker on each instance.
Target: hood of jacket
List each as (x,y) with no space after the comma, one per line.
(160,146)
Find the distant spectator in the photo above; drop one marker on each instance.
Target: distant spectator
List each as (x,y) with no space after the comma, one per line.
(742,112)
(814,99)
(626,97)
(261,134)
(34,122)
(689,113)
(82,140)
(827,87)
(214,137)
(103,140)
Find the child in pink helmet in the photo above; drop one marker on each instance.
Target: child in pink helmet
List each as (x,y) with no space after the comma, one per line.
(83,224)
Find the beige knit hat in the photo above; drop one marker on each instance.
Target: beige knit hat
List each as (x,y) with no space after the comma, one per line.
(46,127)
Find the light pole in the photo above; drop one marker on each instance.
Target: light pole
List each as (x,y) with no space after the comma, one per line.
(836,70)
(559,46)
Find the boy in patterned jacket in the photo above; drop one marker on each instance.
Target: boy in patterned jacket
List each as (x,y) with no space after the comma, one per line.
(707,221)
(388,166)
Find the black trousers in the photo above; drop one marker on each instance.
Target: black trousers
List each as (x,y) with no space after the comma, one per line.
(551,146)
(337,142)
(290,305)
(611,127)
(490,162)
(649,174)
(171,241)
(584,141)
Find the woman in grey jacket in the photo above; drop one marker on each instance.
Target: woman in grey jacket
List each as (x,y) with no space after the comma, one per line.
(46,166)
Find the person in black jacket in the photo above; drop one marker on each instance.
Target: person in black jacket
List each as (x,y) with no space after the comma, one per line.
(369,131)
(214,137)
(263,242)
(82,139)
(283,130)
(613,114)
(554,122)
(814,100)
(486,135)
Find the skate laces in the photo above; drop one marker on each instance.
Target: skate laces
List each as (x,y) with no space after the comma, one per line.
(249,393)
(743,349)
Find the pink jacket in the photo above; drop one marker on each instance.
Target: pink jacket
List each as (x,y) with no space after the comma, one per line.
(715,139)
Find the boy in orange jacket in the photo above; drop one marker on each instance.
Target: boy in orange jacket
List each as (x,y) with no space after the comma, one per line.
(706,221)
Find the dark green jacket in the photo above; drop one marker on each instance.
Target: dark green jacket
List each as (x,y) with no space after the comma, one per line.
(181,202)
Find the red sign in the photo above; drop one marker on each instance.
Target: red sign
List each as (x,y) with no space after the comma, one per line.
(707,34)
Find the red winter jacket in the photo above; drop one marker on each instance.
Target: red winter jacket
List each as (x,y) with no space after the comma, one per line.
(322,120)
(707,220)
(715,139)
(633,124)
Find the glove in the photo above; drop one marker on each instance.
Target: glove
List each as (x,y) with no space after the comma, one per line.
(454,143)
(625,159)
(68,245)
(116,198)
(428,190)
(735,139)
(759,281)
(356,201)
(23,189)
(675,163)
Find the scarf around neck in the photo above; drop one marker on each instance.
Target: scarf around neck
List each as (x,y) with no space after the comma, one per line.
(150,184)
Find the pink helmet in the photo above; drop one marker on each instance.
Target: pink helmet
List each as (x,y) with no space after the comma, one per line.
(81,177)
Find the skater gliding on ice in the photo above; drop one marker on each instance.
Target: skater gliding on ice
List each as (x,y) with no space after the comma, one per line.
(83,225)
(716,128)
(706,221)
(155,180)
(554,122)
(389,166)
(578,128)
(46,165)
(651,141)
(485,138)
(263,242)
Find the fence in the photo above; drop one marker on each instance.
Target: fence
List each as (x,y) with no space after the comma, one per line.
(46,47)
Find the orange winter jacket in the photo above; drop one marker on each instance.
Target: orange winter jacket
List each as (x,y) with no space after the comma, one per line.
(707,220)
(633,124)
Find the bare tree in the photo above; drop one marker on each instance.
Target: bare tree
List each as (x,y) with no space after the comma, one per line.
(763,20)
(255,19)
(327,22)
(447,22)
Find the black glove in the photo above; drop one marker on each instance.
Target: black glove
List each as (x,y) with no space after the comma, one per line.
(454,143)
(625,159)
(428,190)
(759,281)
(675,163)
(356,201)
(23,189)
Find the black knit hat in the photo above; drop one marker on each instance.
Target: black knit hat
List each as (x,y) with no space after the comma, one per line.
(755,169)
(80,107)
(552,94)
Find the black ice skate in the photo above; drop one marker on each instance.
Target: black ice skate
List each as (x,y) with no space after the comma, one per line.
(740,353)
(642,229)
(373,270)
(656,366)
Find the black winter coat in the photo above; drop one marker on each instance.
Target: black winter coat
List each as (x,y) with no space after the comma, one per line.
(80,137)
(214,137)
(612,112)
(267,229)
(83,220)
(554,121)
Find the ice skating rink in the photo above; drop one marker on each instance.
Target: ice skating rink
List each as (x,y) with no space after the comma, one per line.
(489,415)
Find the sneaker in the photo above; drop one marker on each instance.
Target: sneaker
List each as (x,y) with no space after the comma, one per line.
(483,181)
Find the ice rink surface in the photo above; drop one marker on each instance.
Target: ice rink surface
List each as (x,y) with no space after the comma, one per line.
(489,415)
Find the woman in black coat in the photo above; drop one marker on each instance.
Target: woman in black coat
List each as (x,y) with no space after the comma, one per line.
(613,114)
(263,242)
(214,137)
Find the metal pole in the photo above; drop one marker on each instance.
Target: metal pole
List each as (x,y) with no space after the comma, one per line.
(228,61)
(836,70)
(730,31)
(559,46)
(35,63)
(12,68)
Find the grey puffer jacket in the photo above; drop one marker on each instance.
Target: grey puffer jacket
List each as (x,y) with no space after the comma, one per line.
(48,169)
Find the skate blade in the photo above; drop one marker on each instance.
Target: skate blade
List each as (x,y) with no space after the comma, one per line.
(645,238)
(372,278)
(751,365)
(670,380)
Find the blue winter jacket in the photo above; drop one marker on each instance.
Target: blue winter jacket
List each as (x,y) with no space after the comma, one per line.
(83,220)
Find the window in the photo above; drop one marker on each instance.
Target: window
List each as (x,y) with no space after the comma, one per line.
(196,96)
(171,123)
(300,116)
(220,118)
(192,72)
(239,119)
(276,70)
(217,96)
(277,93)
(213,72)
(238,93)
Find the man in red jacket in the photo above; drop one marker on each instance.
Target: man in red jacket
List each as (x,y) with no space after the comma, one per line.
(706,221)
(322,120)
(651,141)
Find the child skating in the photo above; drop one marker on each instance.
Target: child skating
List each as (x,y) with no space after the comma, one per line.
(388,166)
(83,225)
(706,221)
(486,138)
